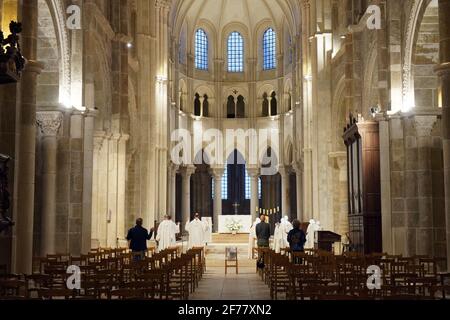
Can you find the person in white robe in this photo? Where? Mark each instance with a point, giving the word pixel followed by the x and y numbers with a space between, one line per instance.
pixel 310 233
pixel 196 229
pixel 252 238
pixel 286 226
pixel 277 238
pixel 166 234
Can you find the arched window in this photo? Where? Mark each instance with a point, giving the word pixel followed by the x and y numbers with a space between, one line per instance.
pixel 201 50
pixel 273 104
pixel 265 105
pixel 231 108
pixel 205 106
pixel 235 52
pixel 269 49
pixel 197 106
pixel 240 106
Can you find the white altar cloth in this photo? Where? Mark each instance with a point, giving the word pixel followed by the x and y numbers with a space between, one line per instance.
pixel 245 221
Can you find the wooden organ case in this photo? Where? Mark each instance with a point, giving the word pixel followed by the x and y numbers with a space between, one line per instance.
pixel 364 188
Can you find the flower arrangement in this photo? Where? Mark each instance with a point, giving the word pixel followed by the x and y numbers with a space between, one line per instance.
pixel 234 225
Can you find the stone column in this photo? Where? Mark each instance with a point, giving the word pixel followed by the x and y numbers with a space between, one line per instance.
pixel 217 174
pixel 285 205
pixel 97 189
pixel 254 200
pixel 187 172
pixel 121 177
pixel 112 186
pixel 424 126
pixel 24 216
pixel 444 75
pixel 88 171
pixel 298 168
pixel 172 192
pixel 49 123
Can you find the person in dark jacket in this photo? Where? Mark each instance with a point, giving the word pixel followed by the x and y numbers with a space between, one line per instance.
pixel 137 238
pixel 263 232
pixel 296 237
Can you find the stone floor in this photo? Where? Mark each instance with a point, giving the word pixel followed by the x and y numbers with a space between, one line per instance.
pixel 215 285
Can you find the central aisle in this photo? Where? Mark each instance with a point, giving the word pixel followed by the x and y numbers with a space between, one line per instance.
pixel 215 285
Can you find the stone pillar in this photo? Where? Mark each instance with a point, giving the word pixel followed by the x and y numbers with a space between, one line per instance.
pixel 217 174
pixel 298 168
pixel 187 172
pixel 172 192
pixel 254 200
pixel 97 189
pixel 341 194
pixel 24 216
pixel 285 205
pixel 112 186
pixel 49 123
pixel 121 177
pixel 424 126
pixel 88 171
pixel 444 75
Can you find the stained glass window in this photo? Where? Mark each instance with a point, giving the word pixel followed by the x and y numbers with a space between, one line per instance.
pixel 235 52
pixel 269 49
pixel 201 50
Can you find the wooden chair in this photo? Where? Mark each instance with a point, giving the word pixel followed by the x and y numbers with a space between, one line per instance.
pixel 176 285
pixel 35 282
pixel 12 287
pixel 56 294
pixel 231 259
pixel 127 294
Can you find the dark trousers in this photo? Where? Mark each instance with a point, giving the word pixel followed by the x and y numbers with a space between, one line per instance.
pixel 138 255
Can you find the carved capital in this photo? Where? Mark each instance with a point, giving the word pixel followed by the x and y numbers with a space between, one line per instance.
pixel 253 172
pixel 163 4
pixel 49 122
pixel 217 172
pixel 187 171
pixel 424 125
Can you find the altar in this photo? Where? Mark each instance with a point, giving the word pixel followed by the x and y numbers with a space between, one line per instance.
pixel 245 221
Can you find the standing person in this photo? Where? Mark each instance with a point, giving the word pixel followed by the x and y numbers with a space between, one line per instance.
pixel 137 239
pixel 285 226
pixel 263 232
pixel 196 229
pixel 278 241
pixel 263 236
pixel 297 239
pixel 165 234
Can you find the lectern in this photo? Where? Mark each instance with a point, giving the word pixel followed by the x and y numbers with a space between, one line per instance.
pixel 325 240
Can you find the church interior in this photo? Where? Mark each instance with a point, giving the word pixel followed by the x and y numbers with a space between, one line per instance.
pixel 331 117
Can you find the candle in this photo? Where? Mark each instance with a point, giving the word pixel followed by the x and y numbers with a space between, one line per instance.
pixel 256 209
pixel 278 209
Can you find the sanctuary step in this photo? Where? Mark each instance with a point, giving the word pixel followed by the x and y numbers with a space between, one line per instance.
pixel 229 238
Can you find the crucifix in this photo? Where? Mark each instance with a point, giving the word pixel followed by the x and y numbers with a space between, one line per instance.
pixel 236 207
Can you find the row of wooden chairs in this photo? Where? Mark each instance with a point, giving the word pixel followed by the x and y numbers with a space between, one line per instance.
pixel 111 274
pixel 322 275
